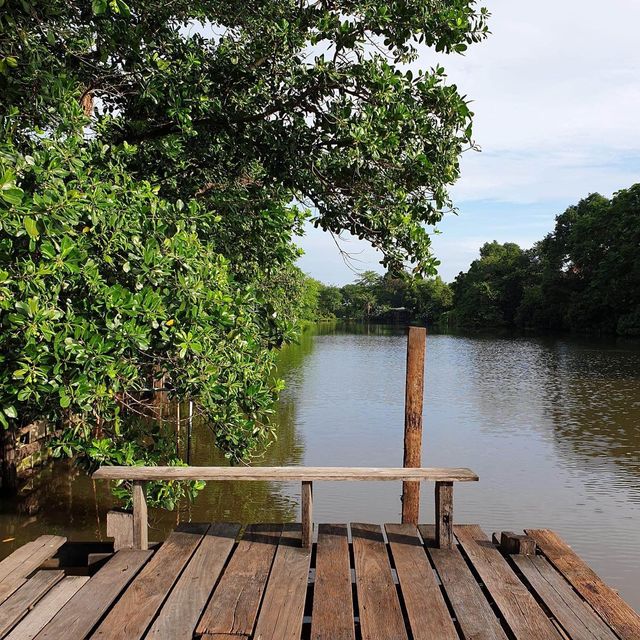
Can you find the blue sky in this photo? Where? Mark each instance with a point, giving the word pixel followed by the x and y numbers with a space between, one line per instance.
pixel 556 93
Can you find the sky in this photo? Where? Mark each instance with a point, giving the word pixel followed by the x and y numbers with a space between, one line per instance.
pixel 556 94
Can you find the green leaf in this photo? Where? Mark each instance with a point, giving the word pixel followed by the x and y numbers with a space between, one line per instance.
pixel 12 195
pixel 99 7
pixel 10 411
pixel 31 226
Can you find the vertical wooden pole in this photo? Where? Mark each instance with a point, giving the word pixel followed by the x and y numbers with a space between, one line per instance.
pixel 444 515
pixel 414 392
pixel 307 514
pixel 140 518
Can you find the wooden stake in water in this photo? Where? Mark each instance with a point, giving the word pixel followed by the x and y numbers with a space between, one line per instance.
pixel 414 392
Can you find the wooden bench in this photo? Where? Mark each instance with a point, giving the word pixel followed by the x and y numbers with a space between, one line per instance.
pixel 443 477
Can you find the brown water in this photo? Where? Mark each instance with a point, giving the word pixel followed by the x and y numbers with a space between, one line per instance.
pixel 552 426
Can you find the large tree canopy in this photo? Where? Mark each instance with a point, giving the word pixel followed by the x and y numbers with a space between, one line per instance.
pixel 157 161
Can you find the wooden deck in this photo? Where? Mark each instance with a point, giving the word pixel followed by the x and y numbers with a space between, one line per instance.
pixel 360 581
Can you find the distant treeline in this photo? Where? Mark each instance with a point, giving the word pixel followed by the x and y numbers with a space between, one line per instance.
pixel 582 277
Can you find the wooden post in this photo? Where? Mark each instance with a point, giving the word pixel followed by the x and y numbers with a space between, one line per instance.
pixel 140 518
pixel 514 543
pixel 307 514
pixel 444 515
pixel 414 392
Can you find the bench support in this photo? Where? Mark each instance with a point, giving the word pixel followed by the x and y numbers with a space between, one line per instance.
pixel 444 515
pixel 307 514
pixel 140 517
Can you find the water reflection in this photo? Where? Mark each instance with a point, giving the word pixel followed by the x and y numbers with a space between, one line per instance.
pixel 552 426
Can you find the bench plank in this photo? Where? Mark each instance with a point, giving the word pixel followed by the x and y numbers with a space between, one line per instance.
pixel 286 473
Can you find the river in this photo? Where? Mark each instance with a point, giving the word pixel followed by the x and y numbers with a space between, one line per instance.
pixel 551 425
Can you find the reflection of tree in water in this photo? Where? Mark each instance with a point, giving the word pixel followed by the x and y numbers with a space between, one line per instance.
pixel 593 400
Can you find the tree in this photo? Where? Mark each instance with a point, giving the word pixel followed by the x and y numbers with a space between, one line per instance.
pixel 157 162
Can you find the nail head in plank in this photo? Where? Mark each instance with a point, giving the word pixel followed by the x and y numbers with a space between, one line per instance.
pixel 576 617
pixel 427 611
pixel 46 608
pixel 180 613
pixel 81 613
pixel 473 611
pixel 282 607
pixel 522 613
pixel 233 607
pixel 309 474
pixel 23 600
pixel 613 609
pixel 379 608
pixel 130 617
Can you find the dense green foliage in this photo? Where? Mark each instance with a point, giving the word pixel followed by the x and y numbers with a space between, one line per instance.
pixel 392 297
pixel 583 277
pixel 157 160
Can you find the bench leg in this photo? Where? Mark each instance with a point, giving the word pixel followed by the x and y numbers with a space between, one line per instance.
pixel 140 518
pixel 307 514
pixel 444 515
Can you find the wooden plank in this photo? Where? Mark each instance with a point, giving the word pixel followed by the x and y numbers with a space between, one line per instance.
pixel 306 509
pixel 444 515
pixel 282 609
pixel 286 473
pixel 332 613
pixel 473 611
pixel 379 607
pixel 518 607
pixel 46 608
pixel 131 616
pixel 180 613
pixel 120 528
pixel 140 517
pixel 428 614
pixel 570 610
pixel 613 609
pixel 82 612
pixel 23 562
pixel 234 605
pixel 414 392
pixel 22 601
pixel 517 543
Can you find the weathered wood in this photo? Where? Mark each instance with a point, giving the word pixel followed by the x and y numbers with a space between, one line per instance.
pixel 516 604
pixel 299 474
pixel 24 561
pixel 23 600
pixel 332 614
pixel 444 515
pixel 517 543
pixel 379 607
pixel 282 608
pixel 120 528
pixel 426 609
pixel 140 517
pixel 130 617
pixel 306 509
pixel 613 609
pixel 77 618
pixel 576 617
pixel 473 611
pixel 180 613
pixel 414 392
pixel 234 604
pixel 46 608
